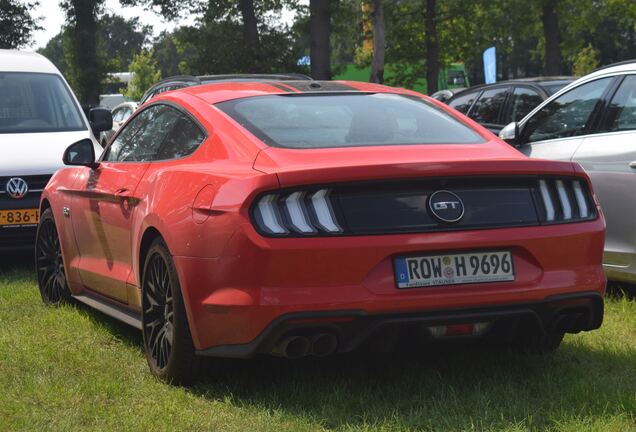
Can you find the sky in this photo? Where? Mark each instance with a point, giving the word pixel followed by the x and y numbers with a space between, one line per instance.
pixel 53 18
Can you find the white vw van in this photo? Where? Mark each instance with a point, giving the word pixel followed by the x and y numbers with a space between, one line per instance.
pixel 39 118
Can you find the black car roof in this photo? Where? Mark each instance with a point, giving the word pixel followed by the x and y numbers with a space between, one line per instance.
pixel 180 81
pixel 534 81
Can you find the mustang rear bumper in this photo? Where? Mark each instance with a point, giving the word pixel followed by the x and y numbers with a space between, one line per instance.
pixel 236 301
pixel 565 313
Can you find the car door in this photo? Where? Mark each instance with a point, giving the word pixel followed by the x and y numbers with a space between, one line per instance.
pixel 104 203
pixel 487 110
pixel 609 157
pixel 557 129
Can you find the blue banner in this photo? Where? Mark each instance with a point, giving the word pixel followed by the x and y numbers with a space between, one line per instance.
pixel 490 65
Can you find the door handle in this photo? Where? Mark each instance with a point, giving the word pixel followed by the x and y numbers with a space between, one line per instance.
pixel 122 193
pixel 632 164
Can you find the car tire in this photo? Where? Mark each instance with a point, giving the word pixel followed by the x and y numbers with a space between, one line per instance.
pixel 166 334
pixel 49 262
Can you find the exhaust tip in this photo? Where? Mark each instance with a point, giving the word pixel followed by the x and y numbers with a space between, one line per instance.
pixel 292 347
pixel 324 344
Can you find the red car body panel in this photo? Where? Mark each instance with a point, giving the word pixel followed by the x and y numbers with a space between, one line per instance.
pixel 236 282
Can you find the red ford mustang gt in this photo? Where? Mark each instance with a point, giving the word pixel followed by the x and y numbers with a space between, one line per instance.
pixel 305 218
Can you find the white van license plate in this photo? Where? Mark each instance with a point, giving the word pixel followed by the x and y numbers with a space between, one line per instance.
pixel 454 269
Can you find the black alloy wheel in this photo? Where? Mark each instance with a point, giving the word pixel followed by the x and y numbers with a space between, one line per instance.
pixel 167 340
pixel 49 262
pixel 158 306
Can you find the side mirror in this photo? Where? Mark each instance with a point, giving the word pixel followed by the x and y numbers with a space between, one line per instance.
pixel 81 153
pixel 100 119
pixel 510 134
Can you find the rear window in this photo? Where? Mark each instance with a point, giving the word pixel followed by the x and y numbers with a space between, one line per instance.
pixel 346 120
pixel 36 102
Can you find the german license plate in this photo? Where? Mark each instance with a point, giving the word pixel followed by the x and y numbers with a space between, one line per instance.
pixel 19 217
pixel 434 270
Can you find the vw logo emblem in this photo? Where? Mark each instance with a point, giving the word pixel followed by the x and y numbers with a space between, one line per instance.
pixel 446 206
pixel 17 188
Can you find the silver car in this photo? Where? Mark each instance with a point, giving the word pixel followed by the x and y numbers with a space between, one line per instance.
pixel 593 122
pixel 120 114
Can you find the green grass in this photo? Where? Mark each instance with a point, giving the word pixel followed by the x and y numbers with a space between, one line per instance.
pixel 71 368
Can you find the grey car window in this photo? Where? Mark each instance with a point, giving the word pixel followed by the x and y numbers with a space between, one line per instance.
pixel 117 114
pixel 567 115
pixel 486 109
pixel 463 103
pixel 524 100
pixel 621 113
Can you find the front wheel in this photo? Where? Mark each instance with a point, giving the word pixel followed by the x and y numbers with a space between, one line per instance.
pixel 49 263
pixel 167 339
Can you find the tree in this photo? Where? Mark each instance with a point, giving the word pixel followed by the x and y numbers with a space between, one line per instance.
pixel 319 39
pixel 432 47
pixel 119 39
pixel 377 64
pixel 586 61
pixel 250 34
pixel 84 72
pixel 16 23
pixel 552 36
pixel 54 51
pixel 145 74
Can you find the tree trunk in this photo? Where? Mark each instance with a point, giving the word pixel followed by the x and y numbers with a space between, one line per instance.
pixel 85 68
pixel 377 64
pixel 250 35
pixel 432 47
pixel 552 38
pixel 320 32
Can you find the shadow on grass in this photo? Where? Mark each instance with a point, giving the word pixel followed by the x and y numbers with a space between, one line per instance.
pixel 451 386
pixel 621 289
pixel 17 262
pixel 456 386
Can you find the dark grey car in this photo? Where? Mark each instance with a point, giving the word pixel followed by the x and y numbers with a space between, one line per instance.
pixel 496 105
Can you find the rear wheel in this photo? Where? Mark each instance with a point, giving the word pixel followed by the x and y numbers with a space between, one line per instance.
pixel 167 339
pixel 49 262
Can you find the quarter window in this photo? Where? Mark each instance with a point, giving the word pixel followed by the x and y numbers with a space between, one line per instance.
pixel 621 113
pixel 159 132
pixel 569 114
pixel 486 109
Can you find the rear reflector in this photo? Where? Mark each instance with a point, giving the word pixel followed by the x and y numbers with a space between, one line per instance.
pixel 472 329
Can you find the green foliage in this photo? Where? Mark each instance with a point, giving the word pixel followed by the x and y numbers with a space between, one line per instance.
pixel 54 51
pixel 145 74
pixel 215 45
pixel 119 39
pixel 16 23
pixel 586 61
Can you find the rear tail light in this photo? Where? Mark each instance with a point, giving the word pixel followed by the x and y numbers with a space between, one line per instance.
pixel 564 200
pixel 299 212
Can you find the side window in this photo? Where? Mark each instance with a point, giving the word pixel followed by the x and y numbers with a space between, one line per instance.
pixel 621 113
pixel 486 109
pixel 140 140
pixel 117 114
pixel 463 103
pixel 182 141
pixel 567 115
pixel 523 101
pixel 127 111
